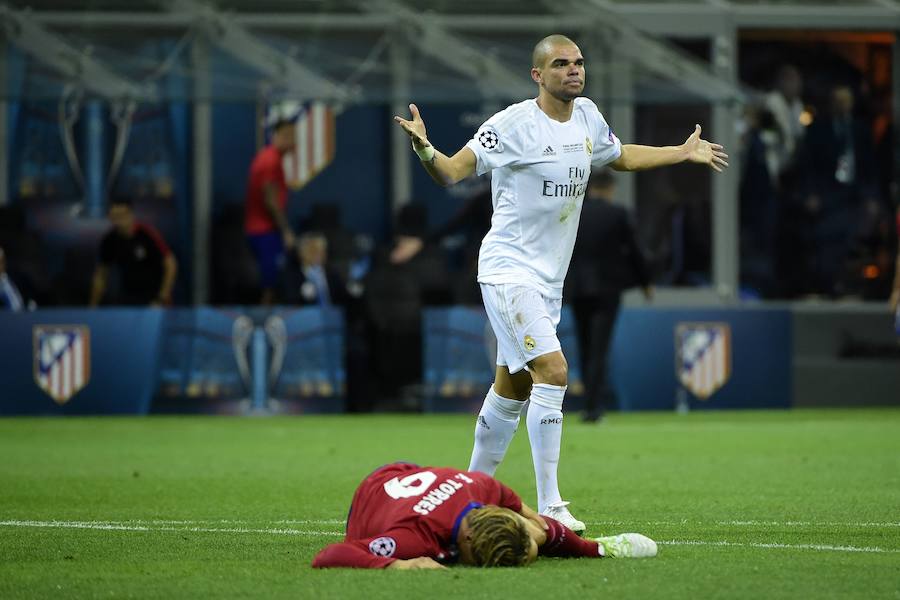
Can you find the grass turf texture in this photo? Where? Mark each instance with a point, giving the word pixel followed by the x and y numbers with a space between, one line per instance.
pixel 224 507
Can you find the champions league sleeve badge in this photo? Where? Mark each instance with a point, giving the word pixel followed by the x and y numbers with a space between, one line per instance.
pixel 383 546
pixel 489 140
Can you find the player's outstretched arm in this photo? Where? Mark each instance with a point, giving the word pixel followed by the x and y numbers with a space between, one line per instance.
pixel 445 170
pixel 694 149
pixel 410 564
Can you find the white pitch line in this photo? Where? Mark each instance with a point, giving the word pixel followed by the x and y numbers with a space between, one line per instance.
pixel 748 523
pixel 657 523
pixel 341 522
pixel 821 547
pixel 147 528
pixel 116 526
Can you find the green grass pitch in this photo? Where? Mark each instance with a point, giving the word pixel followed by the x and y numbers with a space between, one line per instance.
pixel 801 504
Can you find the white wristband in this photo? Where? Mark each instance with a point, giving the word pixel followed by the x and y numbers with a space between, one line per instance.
pixel 425 154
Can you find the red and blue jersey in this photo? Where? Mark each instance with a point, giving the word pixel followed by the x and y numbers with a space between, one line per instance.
pixel 404 511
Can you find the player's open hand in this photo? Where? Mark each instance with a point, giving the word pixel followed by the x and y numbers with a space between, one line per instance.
pixel 705 153
pixel 414 128
pixel 422 562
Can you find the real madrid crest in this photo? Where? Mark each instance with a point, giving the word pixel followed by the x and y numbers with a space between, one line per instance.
pixel 529 343
pixel 588 146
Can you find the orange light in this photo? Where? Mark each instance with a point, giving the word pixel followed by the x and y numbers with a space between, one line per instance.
pixel 871 272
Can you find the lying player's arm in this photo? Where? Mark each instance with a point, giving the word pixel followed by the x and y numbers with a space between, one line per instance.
pixel 382 551
pixel 445 170
pixel 350 554
pixel 537 526
pixel 423 562
pixel 696 150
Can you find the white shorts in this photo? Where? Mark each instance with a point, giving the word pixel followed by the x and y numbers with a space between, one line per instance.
pixel 524 322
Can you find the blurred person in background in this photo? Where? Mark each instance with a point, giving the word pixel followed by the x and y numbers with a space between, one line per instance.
pixel 895 292
pixel 144 264
pixel 785 105
pixel 470 224
pixel 265 221
pixel 840 183
pixel 10 296
pixel 308 279
pixel 759 205
pixel 607 260
pixel 404 516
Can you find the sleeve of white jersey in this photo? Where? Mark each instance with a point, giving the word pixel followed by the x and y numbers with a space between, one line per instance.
pixel 497 143
pixel 607 146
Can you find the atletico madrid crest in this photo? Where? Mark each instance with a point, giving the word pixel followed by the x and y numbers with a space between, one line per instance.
pixel 314 139
pixel 62 359
pixel 703 357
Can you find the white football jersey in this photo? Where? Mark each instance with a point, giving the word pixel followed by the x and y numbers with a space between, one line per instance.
pixel 540 173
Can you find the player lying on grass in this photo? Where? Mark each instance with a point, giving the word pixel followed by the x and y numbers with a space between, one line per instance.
pixel 404 516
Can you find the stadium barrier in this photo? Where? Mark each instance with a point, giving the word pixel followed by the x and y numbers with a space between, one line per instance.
pixel 127 361
pixel 459 358
pixel 132 361
pixel 660 358
pixel 63 362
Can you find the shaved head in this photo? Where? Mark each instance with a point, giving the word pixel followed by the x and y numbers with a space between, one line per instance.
pixel 544 48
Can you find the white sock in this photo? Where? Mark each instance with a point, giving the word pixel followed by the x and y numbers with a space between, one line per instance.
pixel 545 433
pixel 497 423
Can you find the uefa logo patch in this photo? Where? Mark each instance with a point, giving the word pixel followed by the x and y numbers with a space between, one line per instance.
pixel 703 357
pixel 383 546
pixel 62 359
pixel 489 139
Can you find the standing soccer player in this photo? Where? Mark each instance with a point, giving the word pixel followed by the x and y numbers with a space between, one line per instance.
pixel 540 151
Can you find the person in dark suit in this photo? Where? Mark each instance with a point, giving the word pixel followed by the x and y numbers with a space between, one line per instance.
pixel 606 261
pixel 308 280
pixel 840 178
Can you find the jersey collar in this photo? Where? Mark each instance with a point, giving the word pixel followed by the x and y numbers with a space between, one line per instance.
pixel 468 508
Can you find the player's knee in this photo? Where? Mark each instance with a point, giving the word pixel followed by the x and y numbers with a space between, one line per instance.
pixel 554 373
pixel 559 376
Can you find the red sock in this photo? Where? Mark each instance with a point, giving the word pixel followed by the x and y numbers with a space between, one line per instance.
pixel 565 543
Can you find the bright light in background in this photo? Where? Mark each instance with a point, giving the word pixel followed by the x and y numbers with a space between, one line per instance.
pixel 806 117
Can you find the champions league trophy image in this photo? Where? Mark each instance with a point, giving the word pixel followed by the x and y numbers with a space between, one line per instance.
pixel 259 369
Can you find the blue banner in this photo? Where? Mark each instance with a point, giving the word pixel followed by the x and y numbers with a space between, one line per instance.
pixel 113 361
pixel 207 360
pixel 459 358
pixel 62 362
pixel 313 374
pixel 702 358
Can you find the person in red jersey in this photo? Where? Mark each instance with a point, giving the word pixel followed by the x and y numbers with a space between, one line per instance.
pixel 265 217
pixel 404 516
pixel 145 265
